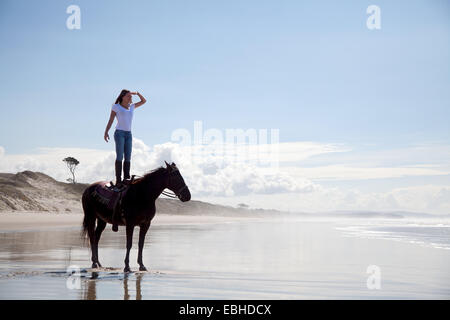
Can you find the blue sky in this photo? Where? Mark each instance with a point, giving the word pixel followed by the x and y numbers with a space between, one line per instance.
pixel 311 69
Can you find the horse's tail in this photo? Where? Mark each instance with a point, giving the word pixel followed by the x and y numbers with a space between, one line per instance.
pixel 89 216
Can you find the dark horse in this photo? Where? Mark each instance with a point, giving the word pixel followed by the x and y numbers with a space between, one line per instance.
pixel 138 205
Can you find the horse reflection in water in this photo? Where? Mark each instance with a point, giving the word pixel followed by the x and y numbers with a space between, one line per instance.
pixel 90 288
pixel 138 205
pixel 126 296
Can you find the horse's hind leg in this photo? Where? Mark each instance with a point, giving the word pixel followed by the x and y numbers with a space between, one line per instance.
pixel 93 243
pixel 89 224
pixel 98 233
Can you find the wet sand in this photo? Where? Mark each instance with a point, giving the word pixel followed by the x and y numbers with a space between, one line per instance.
pixel 26 221
pixel 238 259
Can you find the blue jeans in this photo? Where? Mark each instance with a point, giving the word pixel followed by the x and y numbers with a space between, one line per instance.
pixel 123 141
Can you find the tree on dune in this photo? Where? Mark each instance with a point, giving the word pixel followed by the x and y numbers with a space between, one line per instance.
pixel 72 165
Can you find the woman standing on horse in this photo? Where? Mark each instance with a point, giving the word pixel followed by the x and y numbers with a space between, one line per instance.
pixel 123 110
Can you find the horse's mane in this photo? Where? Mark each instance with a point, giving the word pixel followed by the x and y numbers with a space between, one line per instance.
pixel 149 174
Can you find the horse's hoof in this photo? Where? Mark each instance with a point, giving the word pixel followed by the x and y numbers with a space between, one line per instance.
pixel 126 270
pixel 95 265
pixel 142 268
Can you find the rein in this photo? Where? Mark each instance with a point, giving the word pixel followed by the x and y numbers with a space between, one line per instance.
pixel 173 195
pixel 167 194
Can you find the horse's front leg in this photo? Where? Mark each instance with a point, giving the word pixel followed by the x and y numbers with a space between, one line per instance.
pixel 130 229
pixel 142 233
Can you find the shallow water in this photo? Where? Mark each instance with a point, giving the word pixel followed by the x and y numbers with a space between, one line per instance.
pixel 290 259
pixel 424 232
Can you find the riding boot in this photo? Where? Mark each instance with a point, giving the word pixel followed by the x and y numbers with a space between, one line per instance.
pixel 118 172
pixel 115 227
pixel 126 170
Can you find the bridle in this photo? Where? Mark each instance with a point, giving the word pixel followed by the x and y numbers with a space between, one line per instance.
pixel 176 194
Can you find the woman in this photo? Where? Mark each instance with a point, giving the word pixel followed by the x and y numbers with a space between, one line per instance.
pixel 123 110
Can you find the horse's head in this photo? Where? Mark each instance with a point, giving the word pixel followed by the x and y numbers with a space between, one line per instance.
pixel 176 183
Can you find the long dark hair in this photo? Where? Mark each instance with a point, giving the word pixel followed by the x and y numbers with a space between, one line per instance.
pixel 121 95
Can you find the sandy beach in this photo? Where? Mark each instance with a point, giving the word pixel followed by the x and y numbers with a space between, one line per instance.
pixel 26 221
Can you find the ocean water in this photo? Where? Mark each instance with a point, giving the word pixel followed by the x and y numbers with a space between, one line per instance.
pixel 424 232
pixel 266 259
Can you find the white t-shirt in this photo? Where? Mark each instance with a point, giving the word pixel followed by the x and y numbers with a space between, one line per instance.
pixel 124 116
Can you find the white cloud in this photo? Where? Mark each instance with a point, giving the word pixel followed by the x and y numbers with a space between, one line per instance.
pixel 260 154
pixel 238 176
pixel 203 176
pixel 299 151
pixel 239 179
pixel 433 154
pixel 342 172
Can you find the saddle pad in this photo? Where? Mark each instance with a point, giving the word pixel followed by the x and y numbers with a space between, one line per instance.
pixel 105 195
